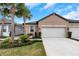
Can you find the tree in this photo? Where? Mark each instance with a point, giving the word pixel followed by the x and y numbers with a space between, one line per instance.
pixel 25 13
pixel 17 9
pixel 12 7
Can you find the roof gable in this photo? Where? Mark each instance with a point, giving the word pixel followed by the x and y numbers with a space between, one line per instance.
pixel 69 20
pixel 55 15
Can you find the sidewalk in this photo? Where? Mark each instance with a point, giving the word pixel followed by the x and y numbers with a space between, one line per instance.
pixel 18 37
pixel 5 38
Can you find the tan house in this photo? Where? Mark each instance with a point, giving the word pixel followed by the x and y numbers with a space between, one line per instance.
pixel 31 28
pixel 54 23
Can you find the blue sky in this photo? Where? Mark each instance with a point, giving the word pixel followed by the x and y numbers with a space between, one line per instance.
pixel 40 10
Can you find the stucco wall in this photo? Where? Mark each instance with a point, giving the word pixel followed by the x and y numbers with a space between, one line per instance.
pixel 18 30
pixel 53 20
pixel 28 28
pixel 74 25
pixel 7 27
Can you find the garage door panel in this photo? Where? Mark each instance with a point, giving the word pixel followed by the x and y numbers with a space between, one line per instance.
pixel 53 32
pixel 75 32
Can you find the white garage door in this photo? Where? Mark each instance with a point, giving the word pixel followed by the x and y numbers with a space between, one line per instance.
pixel 51 32
pixel 75 32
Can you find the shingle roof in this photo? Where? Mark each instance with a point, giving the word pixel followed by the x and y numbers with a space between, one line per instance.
pixel 54 14
pixel 19 25
pixel 69 20
pixel 34 22
pixel 73 21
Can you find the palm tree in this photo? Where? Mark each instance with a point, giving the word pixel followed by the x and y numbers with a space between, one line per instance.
pixel 25 13
pixel 17 9
pixel 12 7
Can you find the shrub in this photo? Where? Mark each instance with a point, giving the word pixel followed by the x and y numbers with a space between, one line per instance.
pixel 23 38
pixel 4 37
pixel 5 43
pixel 8 43
pixel 6 40
pixel 30 34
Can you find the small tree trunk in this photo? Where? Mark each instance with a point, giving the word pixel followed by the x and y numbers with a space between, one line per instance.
pixel 24 25
pixel 12 29
pixel 12 21
pixel 2 28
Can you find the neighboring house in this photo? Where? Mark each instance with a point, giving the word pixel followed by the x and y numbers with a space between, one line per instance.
pixel 31 28
pixel 19 29
pixel 74 28
pixel 7 28
pixel 54 25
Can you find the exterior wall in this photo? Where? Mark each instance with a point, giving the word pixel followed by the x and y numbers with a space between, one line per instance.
pixel 74 25
pixel 28 29
pixel 7 30
pixel 53 20
pixel 18 30
pixel 7 27
pixel 74 28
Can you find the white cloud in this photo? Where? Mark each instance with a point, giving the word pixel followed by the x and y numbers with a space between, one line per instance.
pixel 69 7
pixel 48 5
pixel 31 5
pixel 72 15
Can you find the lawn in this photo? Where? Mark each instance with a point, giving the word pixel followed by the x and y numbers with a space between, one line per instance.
pixel 35 49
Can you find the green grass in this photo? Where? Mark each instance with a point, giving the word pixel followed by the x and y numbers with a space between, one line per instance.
pixel 35 49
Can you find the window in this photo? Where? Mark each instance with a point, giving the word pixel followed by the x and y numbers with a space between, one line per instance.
pixel 31 28
pixel 4 30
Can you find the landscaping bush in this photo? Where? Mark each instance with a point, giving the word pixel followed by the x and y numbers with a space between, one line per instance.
pixel 23 38
pixel 8 43
pixel 5 43
pixel 21 41
pixel 4 37
pixel 30 34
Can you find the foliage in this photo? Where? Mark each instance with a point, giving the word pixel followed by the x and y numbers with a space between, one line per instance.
pixel 5 43
pixel 35 49
pixel 23 38
pixel 6 40
pixel 9 43
pixel 14 9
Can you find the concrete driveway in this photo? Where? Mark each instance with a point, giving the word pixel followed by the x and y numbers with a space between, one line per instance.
pixel 61 47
